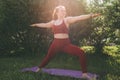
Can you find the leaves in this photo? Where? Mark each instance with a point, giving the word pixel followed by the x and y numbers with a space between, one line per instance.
pixel 16 16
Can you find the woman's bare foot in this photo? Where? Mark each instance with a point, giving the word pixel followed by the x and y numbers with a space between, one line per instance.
pixel 86 76
pixel 37 70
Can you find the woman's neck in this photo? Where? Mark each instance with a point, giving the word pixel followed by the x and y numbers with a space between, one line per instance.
pixel 60 18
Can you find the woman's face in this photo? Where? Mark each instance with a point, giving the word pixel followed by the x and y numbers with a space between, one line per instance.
pixel 61 12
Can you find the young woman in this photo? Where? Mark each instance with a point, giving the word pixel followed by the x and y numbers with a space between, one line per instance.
pixel 60 27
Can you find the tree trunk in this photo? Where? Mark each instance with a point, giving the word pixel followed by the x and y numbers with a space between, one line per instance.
pixel 99 48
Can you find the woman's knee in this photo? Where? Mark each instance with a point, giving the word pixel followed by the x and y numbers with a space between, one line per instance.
pixel 81 53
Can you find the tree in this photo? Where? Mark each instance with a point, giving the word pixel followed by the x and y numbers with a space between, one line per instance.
pixel 112 17
pixel 102 33
pixel 19 37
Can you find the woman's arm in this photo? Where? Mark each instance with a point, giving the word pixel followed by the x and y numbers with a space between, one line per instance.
pixel 81 17
pixel 43 25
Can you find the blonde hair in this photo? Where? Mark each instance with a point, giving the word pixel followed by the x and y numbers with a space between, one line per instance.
pixel 54 15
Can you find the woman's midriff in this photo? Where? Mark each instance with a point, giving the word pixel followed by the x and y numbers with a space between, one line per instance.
pixel 61 36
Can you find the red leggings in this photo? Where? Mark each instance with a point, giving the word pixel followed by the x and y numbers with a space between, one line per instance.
pixel 64 45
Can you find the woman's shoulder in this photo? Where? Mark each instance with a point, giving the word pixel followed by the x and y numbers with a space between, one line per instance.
pixel 51 22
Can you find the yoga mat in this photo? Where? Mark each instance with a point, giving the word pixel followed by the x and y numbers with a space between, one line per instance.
pixel 59 72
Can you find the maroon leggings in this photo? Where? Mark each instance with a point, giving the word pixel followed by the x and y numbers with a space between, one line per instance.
pixel 64 45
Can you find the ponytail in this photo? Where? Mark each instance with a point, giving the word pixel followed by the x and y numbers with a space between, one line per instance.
pixel 54 15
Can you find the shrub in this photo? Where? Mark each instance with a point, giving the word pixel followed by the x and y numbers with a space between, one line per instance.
pixel 111 50
pixel 88 49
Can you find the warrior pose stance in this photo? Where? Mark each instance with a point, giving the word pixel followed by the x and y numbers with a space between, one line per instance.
pixel 60 26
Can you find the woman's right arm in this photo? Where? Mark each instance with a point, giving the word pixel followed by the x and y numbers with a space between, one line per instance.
pixel 43 25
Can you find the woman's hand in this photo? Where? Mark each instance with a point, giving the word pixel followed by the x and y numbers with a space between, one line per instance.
pixel 95 15
pixel 33 25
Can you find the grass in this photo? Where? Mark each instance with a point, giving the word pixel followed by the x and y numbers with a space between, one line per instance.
pixel 108 67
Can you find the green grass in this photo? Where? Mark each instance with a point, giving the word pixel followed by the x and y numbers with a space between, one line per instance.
pixel 108 67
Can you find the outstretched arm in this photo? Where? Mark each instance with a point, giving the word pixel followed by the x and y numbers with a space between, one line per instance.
pixel 81 17
pixel 43 25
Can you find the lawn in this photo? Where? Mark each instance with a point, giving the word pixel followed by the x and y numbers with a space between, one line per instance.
pixel 108 67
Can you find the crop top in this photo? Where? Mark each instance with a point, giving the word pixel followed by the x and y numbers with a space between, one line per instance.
pixel 62 28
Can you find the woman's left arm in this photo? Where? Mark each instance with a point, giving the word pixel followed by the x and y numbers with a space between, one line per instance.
pixel 81 17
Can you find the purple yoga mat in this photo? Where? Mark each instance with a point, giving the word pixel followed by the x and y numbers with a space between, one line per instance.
pixel 59 72
pixel 32 69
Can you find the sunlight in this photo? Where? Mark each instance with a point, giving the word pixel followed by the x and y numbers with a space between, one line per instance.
pixel 90 1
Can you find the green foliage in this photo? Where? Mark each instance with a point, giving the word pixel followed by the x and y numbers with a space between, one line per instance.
pixel 102 34
pixel 112 14
pixel 88 49
pixel 112 50
pixel 109 50
pixel 18 38
pixel 1 12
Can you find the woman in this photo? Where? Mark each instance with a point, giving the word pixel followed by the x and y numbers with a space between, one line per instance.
pixel 60 26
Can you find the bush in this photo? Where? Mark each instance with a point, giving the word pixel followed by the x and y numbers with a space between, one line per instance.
pixel 111 50
pixel 88 49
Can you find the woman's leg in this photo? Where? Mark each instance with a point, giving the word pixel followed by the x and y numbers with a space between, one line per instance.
pixel 74 50
pixel 51 52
